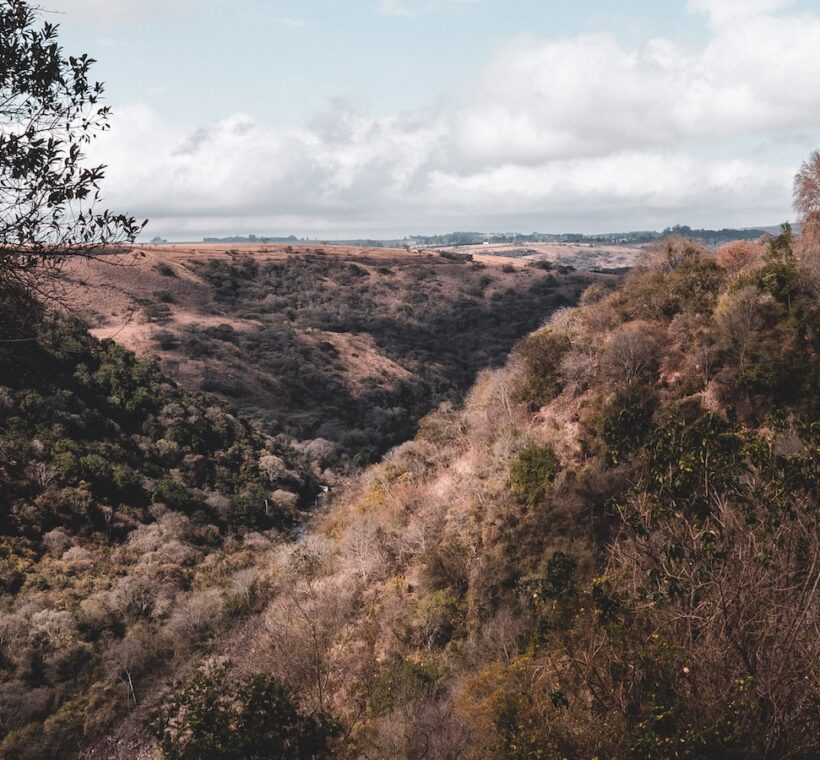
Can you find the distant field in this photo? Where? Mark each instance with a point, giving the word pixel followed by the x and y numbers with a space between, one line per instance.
pixel 348 345
pixel 578 255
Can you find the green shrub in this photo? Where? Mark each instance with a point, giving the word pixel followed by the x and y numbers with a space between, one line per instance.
pixel 532 472
pixel 626 422
pixel 255 718
pixel 436 617
pixel 175 495
pixel 398 683
pixel 541 354
pixel 689 462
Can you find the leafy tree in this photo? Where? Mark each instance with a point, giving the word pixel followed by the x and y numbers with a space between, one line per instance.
pixel 49 111
pixel 253 719
pixel 532 472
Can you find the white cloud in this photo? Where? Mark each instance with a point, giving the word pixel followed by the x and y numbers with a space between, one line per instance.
pixel 586 96
pixel 583 132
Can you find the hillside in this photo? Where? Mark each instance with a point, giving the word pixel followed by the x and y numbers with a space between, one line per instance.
pixel 130 512
pixel 346 347
pixel 611 549
pixel 613 530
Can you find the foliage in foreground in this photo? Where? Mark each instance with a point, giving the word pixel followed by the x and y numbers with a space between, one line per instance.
pixel 252 719
pixel 49 111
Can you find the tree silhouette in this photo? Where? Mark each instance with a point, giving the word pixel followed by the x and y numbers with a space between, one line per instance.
pixel 49 111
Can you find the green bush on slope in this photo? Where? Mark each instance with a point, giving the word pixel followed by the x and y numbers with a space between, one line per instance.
pixel 254 718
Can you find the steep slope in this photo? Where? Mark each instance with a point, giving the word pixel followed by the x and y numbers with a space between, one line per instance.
pixel 130 514
pixel 612 550
pixel 609 549
pixel 347 347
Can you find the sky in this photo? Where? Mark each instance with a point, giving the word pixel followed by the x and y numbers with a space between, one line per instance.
pixel 386 118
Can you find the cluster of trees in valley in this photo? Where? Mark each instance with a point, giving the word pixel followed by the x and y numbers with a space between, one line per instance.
pixel 433 323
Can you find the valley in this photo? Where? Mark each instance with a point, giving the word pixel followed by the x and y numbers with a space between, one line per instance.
pixel 343 349
pixel 430 493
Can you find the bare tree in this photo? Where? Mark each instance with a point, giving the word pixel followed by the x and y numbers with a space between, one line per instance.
pixel 807 188
pixel 807 205
pixel 630 354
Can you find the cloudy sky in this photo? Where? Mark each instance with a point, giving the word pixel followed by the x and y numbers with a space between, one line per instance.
pixel 380 118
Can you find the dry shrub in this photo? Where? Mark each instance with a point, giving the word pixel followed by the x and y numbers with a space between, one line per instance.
pixel 593 294
pixel 56 541
pixel 489 411
pixel 676 275
pixel 670 253
pixel 272 468
pixel 579 367
pixel 198 616
pixel 364 552
pixel 13 633
pixel 93 614
pixel 78 559
pixel 21 704
pixel 746 631
pixel 426 727
pixel 126 660
pixel 631 355
pixel 496 639
pixel 148 591
pixel 807 251
pixel 740 256
pixel 309 630
pixel 284 501
pixel 601 317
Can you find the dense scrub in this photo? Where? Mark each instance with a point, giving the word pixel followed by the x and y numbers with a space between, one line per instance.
pixel 612 550
pixel 131 517
pixel 352 349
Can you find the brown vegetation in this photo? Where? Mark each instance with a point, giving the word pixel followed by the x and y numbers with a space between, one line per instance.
pixel 578 567
pixel 351 346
